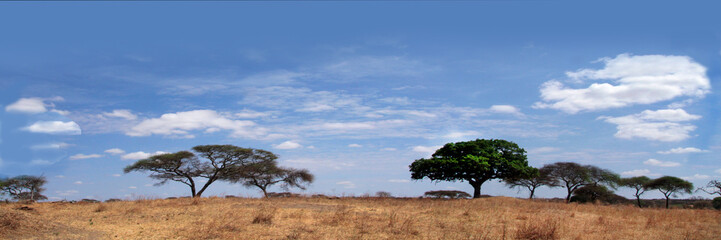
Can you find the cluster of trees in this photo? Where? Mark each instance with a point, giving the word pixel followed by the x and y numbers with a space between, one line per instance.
pixel 206 164
pixel 480 160
pixel 24 187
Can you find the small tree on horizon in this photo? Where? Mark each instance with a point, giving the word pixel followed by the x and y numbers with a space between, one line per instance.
pixel 569 175
pixel 638 184
pixel 670 186
pixel 538 178
pixel 267 173
pixel 474 161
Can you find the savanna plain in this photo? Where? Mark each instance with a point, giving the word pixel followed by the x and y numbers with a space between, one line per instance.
pixel 351 218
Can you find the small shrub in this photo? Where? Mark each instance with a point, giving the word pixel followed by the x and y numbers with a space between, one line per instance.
pixel 716 203
pixel 382 194
pixel 101 208
pixel 546 229
pixel 447 194
pixel 264 216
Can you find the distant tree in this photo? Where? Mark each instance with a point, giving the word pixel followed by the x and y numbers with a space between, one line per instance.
pixel 452 194
pixel 670 186
pixel 215 163
pixel 383 194
pixel 716 203
pixel 474 161
pixel 536 179
pixel 24 187
pixel 638 184
pixel 599 176
pixel 593 193
pixel 714 187
pixel 569 175
pixel 266 173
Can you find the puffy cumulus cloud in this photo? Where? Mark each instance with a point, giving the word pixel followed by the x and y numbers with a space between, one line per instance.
pixel 34 105
pixel 660 125
pixel 54 127
pixel 346 184
pixel 115 151
pixel 635 80
pixel 84 156
pixel 121 113
pixel 288 145
pixel 681 150
pixel 639 172
pixel 654 162
pixel 140 155
pixel 179 124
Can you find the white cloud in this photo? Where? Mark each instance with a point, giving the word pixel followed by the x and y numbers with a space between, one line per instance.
pixel 355 145
pixel 639 172
pixel 121 113
pixel 659 125
pixel 718 170
pixel 41 162
pixel 459 135
pixel 245 113
pixel 133 187
pixel 316 164
pixel 639 80
pixel 78 182
pixel 506 109
pixel 58 145
pixel 115 151
pixel 54 127
pixel 681 150
pixel 540 150
pixel 83 156
pixel 389 149
pixel 428 150
pixel 346 184
pixel 697 177
pixel 288 145
pixel 117 175
pixel 140 155
pixel 27 105
pixel 654 162
pixel 399 180
pixel 179 124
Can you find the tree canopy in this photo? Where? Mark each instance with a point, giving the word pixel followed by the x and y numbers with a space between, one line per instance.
pixel 638 184
pixel 474 161
pixel 24 187
pixel 714 187
pixel 536 179
pixel 266 173
pixel 670 186
pixel 209 162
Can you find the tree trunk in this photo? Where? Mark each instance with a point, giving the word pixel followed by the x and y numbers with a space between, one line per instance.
pixel 476 190
pixel 568 197
pixel 638 200
pixel 192 191
pixel 666 202
pixel 265 192
pixel 532 190
pixel 210 180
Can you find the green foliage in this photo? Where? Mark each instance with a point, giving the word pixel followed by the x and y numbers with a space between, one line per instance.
pixel 716 203
pixel 473 161
pixel 638 184
pixel 452 194
pixel 536 179
pixel 24 187
pixel 573 176
pixel 265 173
pixel 670 186
pixel 593 193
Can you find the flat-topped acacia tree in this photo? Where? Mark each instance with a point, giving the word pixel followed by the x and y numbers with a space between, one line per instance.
pixel 475 162
pixel 209 163
pixel 670 186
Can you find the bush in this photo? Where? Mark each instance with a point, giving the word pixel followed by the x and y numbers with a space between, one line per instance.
pixel 447 194
pixel 593 193
pixel 716 203
pixel 383 194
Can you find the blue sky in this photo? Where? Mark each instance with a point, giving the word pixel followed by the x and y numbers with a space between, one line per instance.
pixel 355 91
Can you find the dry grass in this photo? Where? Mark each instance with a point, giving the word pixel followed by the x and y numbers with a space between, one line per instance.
pixel 348 218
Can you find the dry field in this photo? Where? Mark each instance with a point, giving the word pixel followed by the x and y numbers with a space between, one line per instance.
pixel 351 218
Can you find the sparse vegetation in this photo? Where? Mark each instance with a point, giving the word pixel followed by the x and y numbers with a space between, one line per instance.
pixel 452 194
pixel 352 218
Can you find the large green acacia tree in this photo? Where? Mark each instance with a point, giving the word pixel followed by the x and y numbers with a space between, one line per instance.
pixel 475 162
pixel 202 167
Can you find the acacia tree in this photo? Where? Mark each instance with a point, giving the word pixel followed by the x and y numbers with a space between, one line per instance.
pixel 538 178
pixel 714 186
pixel 598 176
pixel 267 173
pixel 670 186
pixel 209 162
pixel 568 174
pixel 474 161
pixel 637 183
pixel 24 187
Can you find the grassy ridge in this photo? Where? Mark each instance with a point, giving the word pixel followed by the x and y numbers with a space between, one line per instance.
pixel 352 218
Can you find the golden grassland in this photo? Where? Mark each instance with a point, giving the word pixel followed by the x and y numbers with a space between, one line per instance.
pixel 352 218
